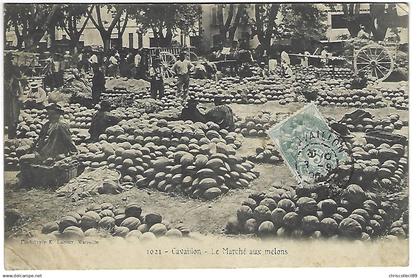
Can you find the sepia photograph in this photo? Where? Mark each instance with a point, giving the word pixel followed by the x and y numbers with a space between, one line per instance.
pixel 205 135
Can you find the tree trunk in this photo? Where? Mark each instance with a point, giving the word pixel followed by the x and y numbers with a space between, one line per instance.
pixel 106 39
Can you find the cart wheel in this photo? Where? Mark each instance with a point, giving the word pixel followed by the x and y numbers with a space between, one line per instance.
pixel 167 60
pixel 375 60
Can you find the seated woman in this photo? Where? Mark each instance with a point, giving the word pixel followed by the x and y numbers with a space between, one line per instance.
pixel 54 139
pixel 102 120
pixel 221 114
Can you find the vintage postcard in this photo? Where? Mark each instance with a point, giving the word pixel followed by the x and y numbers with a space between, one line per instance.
pixel 205 135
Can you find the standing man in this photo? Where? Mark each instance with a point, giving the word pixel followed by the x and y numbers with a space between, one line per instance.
pixel 93 60
pixel 182 69
pixel 324 56
pixel 156 78
pixel 12 92
pixel 137 64
pixel 98 84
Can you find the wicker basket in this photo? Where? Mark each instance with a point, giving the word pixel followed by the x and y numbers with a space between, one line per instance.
pixel 35 175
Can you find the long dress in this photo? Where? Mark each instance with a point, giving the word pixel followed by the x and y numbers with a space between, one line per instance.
pixel 55 139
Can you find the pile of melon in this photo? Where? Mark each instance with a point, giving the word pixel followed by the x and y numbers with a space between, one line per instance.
pixel 231 89
pixel 30 123
pixel 389 123
pixel 334 73
pixel 319 211
pixel 194 159
pixel 257 125
pixel 397 96
pixel 382 167
pixel 78 116
pixel 13 150
pixel 365 98
pixel 106 221
pixel 266 154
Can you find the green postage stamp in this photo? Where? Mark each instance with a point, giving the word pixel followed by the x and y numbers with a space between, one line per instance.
pixel 308 145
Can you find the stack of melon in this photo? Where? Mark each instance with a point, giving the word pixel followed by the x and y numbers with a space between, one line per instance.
pixel 231 89
pixel 382 167
pixel 13 150
pixel 31 122
pixel 389 123
pixel 365 98
pixel 195 159
pixel 276 88
pixel 397 96
pixel 78 116
pixel 105 220
pixel 317 211
pixel 266 154
pixel 258 125
pixel 334 73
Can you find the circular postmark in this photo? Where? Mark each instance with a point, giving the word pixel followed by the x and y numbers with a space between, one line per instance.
pixel 322 157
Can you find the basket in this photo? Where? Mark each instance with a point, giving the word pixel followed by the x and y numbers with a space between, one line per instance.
pixel 35 175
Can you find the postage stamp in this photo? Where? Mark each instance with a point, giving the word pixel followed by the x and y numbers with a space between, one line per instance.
pixel 309 147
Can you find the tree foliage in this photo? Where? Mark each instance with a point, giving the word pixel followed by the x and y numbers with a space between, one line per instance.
pixel 71 16
pixel 30 21
pixel 164 20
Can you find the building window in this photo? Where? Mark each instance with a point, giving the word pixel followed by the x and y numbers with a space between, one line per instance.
pixel 130 40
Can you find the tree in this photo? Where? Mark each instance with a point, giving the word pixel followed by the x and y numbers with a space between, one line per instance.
pixel 235 14
pixel 71 17
pixel 30 21
pixel 98 22
pixel 302 21
pixel 165 20
pixel 263 24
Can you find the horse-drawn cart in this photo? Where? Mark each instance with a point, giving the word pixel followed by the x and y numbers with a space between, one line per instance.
pixel 168 57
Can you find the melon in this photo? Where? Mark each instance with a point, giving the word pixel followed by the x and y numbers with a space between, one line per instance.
pixel 158 229
pixel 268 202
pixel 232 226
pixel 244 213
pixel 106 212
pixel 277 216
pixel 328 226
pixel 262 213
pixel 153 218
pixel 328 206
pixel 49 227
pixel 310 223
pixel 72 232
pixel 173 233
pixel 212 193
pixel 266 228
pixel 250 203
pixel 350 228
pixel 131 223
pixel 107 223
pixel 134 234
pixel 291 220
pixel 133 209
pixel 287 205
pixel 307 205
pixel 65 222
pixel 121 231
pixel 250 226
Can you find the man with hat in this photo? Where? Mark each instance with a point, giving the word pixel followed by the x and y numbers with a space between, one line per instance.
pixel 182 69
pixel 98 84
pixel 156 78
pixel 36 97
pixel 55 136
pixel 221 114
pixel 102 120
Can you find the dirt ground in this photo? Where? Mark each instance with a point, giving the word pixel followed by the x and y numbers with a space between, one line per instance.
pixel 39 206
